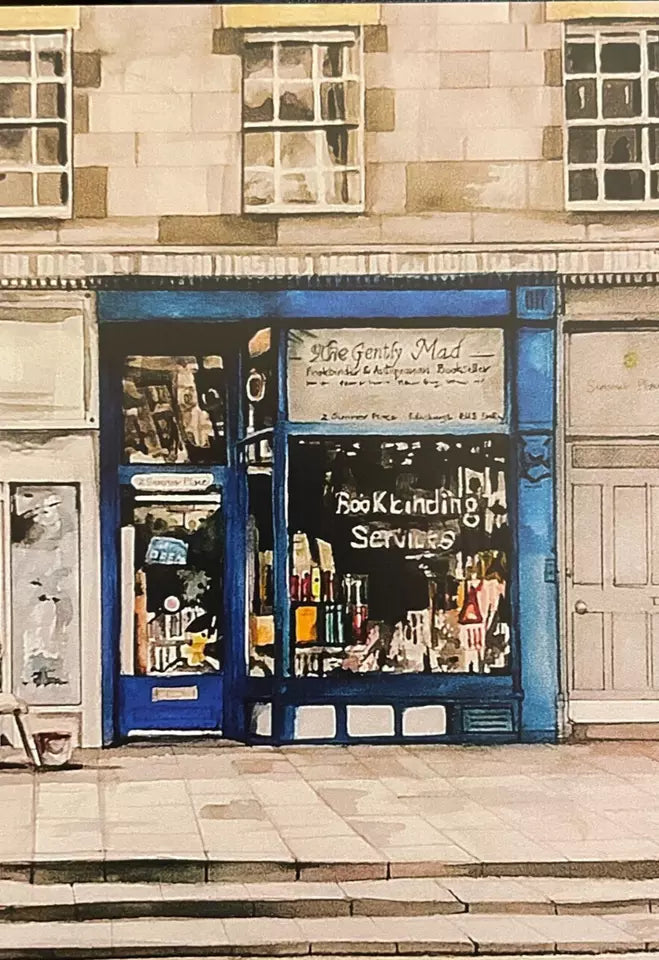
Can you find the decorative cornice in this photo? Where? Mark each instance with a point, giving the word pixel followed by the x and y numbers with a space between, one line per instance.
pixel 98 268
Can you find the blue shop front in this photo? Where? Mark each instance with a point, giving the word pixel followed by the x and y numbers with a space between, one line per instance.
pixel 328 509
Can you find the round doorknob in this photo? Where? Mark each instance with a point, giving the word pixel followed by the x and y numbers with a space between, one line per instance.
pixel 580 607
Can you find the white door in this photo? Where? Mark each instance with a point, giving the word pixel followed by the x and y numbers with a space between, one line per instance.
pixel 612 581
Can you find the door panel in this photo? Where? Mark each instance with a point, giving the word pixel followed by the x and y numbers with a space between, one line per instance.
pixel 630 531
pixel 588 651
pixel 587 540
pixel 630 651
pixel 612 593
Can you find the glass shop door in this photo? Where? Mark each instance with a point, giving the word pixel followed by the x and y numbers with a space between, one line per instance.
pixel 172 512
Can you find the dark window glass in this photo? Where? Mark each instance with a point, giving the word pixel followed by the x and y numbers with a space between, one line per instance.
pixel 173 410
pixel 260 573
pixel 624 185
pixel 583 185
pixel 621 98
pixel 176 553
pixel 580 58
pixel 622 145
pixel 582 145
pixel 399 553
pixel 653 97
pixel 620 57
pixel 581 99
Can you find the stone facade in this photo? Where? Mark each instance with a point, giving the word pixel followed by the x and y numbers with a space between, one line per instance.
pixel 463 133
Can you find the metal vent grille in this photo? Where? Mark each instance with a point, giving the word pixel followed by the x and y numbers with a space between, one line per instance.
pixel 536 299
pixel 487 720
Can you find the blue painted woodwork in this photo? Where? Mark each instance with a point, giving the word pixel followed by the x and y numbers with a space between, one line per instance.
pixel 138 711
pixel 236 306
pixel 530 692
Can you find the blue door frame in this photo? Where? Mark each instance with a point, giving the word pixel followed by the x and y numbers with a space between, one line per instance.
pixel 525 307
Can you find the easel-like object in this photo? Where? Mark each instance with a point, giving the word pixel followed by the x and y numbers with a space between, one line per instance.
pixel 11 705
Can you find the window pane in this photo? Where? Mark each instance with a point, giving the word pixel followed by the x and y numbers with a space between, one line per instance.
pixel 178 559
pixel 51 145
pixel 45 593
pixel 50 189
pixel 331 59
pixel 260 578
pixel 582 145
pixel 14 100
pixel 653 52
pixel 257 60
pixel 342 187
pixel 583 185
pixel 653 97
pixel 620 57
pixel 654 144
pixel 580 58
pixel 295 61
pixel 50 57
pixel 16 190
pixel 622 145
pixel 259 188
pixel 296 102
pixel 581 99
pixel 624 184
pixel 50 100
pixel 257 103
pixel 14 146
pixel 399 554
pixel 339 101
pixel 259 150
pixel 298 149
pixel 340 147
pixel 621 98
pixel 173 410
pixel 299 188
pixel 15 57
pixel 261 381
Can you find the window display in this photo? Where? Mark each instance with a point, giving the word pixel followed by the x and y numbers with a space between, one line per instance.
pixel 260 574
pixel 45 592
pixel 173 410
pixel 178 556
pixel 399 555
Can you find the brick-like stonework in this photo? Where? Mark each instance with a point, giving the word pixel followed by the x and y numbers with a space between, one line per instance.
pixel 463 133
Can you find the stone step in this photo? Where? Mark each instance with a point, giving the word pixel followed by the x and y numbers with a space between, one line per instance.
pixel 450 935
pixel 24 902
pixel 99 867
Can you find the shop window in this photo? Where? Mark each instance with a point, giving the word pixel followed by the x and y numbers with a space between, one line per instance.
pixel 35 122
pixel 172 581
pixel 612 117
pixel 399 556
pixel 260 574
pixel 260 395
pixel 174 410
pixel 45 593
pixel 303 122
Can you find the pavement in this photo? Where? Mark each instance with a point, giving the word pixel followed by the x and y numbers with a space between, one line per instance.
pixel 209 812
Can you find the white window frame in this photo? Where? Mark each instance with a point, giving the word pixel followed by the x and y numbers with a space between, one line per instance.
pixel 316 39
pixel 32 123
pixel 599 33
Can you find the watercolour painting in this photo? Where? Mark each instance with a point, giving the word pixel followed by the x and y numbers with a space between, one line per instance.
pixel 329 478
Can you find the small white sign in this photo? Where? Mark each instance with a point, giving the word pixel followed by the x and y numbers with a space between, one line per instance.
pixel 446 376
pixel 172 482
pixel 174 693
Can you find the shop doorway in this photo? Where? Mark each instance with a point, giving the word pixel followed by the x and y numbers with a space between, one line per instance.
pixel 167 495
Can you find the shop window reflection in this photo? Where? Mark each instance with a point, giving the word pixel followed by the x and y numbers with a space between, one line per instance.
pixel 260 573
pixel 174 410
pixel 399 556
pixel 174 555
pixel 261 394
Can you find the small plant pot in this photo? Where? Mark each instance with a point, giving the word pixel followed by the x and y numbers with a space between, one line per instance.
pixel 55 747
